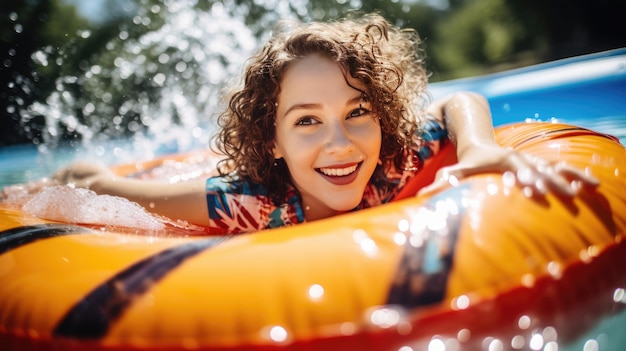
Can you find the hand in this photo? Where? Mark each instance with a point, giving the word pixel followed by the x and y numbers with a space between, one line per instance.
pixel 80 174
pixel 535 175
pixel 83 174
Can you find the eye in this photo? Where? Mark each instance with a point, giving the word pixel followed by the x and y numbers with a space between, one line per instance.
pixel 306 121
pixel 358 112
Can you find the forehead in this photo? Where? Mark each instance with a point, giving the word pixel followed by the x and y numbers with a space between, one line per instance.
pixel 316 72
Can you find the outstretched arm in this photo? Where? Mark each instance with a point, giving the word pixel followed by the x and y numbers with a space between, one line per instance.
pixel 178 201
pixel 467 117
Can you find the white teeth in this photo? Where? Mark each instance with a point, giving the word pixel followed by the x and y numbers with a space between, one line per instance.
pixel 338 172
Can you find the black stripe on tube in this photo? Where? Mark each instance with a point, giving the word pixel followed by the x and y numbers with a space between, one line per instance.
pixel 422 274
pixel 92 317
pixel 13 238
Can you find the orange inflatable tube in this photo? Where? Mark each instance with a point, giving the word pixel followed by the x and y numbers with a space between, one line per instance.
pixel 472 265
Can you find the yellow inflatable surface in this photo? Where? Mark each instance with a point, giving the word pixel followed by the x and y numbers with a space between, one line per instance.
pixel 476 263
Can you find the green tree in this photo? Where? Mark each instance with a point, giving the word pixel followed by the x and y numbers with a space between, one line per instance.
pixel 480 36
pixel 476 37
pixel 563 28
pixel 27 30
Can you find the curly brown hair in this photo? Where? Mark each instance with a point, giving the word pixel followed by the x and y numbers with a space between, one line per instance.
pixel 386 59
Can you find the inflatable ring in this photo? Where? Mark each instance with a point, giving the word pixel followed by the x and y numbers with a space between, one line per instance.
pixel 473 264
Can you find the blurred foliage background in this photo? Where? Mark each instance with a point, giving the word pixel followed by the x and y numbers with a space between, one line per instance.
pixel 53 54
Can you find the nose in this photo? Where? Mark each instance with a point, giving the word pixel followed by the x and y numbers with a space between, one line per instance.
pixel 338 140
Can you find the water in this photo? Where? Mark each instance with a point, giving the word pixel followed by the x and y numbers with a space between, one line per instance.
pixel 589 91
pixel 159 80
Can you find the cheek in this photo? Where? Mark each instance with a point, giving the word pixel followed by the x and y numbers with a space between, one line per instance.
pixel 297 149
pixel 376 145
pixel 372 139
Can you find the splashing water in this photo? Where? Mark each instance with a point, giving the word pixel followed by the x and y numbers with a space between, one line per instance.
pixel 66 204
pixel 160 79
pixel 153 89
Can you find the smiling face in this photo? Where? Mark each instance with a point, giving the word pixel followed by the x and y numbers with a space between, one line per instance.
pixel 327 135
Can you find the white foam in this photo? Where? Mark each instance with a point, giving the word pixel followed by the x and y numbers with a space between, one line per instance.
pixel 73 205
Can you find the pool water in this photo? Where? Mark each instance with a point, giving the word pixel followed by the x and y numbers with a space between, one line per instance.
pixel 24 163
pixel 589 91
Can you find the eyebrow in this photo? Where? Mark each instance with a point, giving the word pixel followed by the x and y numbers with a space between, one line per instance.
pixel 306 106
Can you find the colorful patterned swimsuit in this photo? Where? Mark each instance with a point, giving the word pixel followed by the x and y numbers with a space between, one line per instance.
pixel 244 206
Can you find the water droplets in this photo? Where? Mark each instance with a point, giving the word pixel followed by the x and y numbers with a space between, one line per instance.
pixel 399 238
pixel 436 344
pixel 89 108
pixel 159 79
pixel 181 66
pixel 524 322
pixel 366 243
pixel 316 292
pixel 276 333
pixel 591 345
pixel 495 345
pixel 123 35
pixel 460 302
pixel 84 34
pixel 518 342
pixel 619 295
pixel 40 57
pixel 385 317
pixel 164 58
pixel 554 269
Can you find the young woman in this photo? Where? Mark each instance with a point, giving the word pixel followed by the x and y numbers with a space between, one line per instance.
pixel 330 118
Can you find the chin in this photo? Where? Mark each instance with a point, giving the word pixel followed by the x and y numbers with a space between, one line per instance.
pixel 346 206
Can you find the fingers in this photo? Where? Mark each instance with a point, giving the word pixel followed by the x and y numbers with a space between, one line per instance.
pixel 534 176
pixel 543 180
pixel 446 176
pixel 66 175
pixel 576 174
pixel 60 176
pixel 82 174
pixel 560 178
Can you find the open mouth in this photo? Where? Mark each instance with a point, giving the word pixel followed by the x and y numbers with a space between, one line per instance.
pixel 339 172
pixel 340 175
